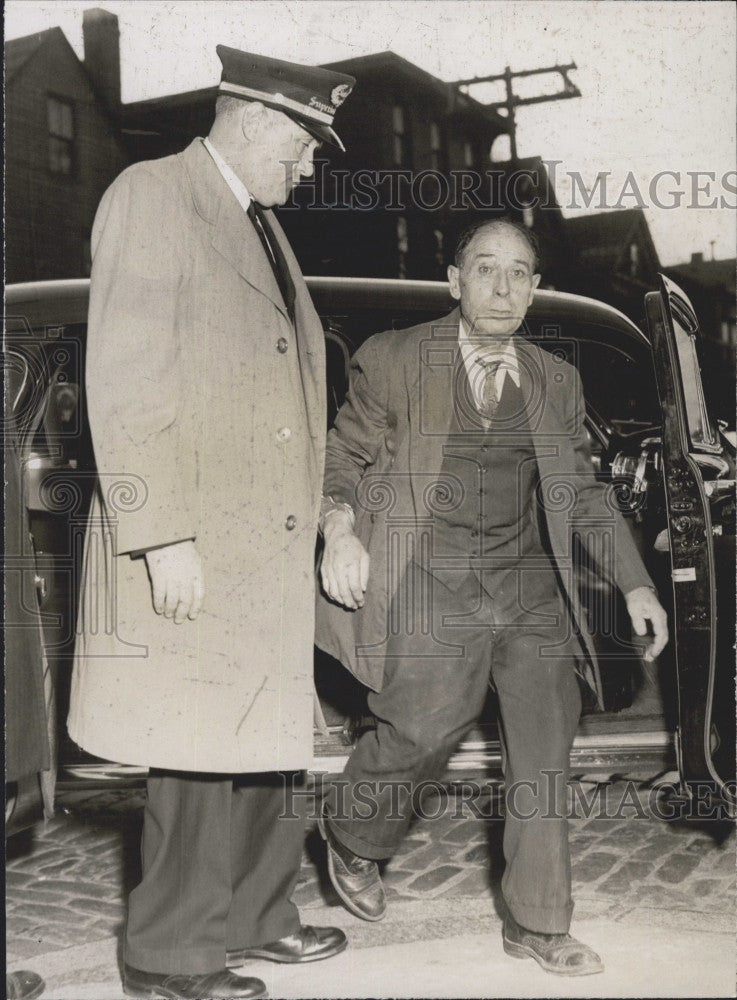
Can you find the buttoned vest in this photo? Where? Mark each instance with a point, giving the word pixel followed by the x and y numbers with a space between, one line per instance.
pixel 491 471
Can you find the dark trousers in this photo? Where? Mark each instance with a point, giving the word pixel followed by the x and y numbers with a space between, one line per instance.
pixel 431 696
pixel 219 869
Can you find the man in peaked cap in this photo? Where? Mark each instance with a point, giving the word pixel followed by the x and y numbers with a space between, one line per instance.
pixel 206 400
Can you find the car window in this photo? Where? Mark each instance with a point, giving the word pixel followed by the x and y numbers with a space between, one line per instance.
pixel 621 387
pixel 357 326
pixel 618 383
pixel 700 428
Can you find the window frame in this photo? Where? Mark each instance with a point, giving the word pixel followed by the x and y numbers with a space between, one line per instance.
pixel 69 141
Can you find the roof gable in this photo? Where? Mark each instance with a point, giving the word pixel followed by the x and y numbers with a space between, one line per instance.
pixel 21 52
pixel 714 273
pixel 18 51
pixel 388 64
pixel 603 239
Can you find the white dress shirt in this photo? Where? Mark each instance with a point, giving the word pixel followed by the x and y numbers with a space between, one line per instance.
pixel 475 357
pixel 236 185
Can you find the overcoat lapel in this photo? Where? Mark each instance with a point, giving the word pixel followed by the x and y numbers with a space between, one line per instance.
pixel 233 234
pixel 236 240
pixel 310 337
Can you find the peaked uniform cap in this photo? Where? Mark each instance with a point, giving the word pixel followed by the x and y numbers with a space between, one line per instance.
pixel 309 95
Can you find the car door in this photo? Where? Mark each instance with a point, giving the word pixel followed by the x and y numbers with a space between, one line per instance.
pixel 699 484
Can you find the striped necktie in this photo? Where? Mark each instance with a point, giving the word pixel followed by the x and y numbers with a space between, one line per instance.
pixel 489 397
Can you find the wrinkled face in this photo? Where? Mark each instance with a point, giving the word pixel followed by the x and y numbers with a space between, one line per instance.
pixel 284 154
pixel 495 283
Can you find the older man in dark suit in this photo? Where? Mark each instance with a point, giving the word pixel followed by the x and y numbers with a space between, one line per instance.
pixel 448 566
pixel 206 397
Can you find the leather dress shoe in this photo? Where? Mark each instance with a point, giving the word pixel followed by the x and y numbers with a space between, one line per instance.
pixel 356 880
pixel 222 985
pixel 23 985
pixel 309 944
pixel 560 954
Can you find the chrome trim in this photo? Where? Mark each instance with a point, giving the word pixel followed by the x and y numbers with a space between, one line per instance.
pixel 604 752
pixel 719 486
pixel 716 462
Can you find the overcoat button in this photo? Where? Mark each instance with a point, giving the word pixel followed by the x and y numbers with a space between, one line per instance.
pixel 283 434
pixel 291 522
pixel 282 346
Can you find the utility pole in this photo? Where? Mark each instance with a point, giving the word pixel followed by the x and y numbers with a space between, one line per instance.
pixel 513 101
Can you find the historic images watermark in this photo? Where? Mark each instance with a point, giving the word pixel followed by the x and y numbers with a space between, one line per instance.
pixel 497 189
pixel 549 799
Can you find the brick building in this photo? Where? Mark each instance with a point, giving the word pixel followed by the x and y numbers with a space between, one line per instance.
pixel 62 146
pixel 616 259
pixel 711 286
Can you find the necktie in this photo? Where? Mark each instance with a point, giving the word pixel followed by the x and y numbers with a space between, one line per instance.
pixel 274 255
pixel 489 397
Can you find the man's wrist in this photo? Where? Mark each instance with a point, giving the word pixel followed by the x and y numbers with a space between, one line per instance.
pixel 330 507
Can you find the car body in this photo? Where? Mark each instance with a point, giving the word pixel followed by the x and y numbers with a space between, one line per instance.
pixel 670 465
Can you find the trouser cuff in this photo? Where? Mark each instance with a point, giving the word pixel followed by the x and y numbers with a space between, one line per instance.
pixel 273 931
pixel 540 919
pixel 363 848
pixel 176 962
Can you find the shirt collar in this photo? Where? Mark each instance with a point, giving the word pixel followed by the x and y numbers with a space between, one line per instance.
pixel 235 184
pixel 472 353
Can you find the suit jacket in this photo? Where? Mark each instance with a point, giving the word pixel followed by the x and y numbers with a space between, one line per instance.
pixel 207 411
pixel 385 454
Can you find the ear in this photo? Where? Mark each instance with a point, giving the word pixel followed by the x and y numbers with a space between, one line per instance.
pixel 252 119
pixel 454 280
pixel 535 283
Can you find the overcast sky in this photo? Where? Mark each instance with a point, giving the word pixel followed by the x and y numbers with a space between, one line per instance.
pixel 657 80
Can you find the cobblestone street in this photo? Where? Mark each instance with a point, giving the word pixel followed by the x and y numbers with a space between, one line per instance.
pixel 67 883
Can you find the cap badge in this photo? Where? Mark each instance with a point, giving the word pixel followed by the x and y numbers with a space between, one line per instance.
pixel 339 93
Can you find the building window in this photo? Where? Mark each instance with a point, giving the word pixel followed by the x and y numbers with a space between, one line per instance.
pixel 729 332
pixel 436 147
pixel 501 149
pixel 634 260
pixel 399 136
pixel 402 247
pixel 439 250
pixel 61 135
pixel 468 157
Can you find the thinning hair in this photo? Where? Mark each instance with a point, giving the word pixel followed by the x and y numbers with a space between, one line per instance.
pixel 227 106
pixel 468 234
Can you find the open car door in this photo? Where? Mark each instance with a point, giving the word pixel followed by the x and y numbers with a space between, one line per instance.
pixel 699 483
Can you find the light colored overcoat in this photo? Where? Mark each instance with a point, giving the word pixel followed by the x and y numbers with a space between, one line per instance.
pixel 385 456
pixel 207 410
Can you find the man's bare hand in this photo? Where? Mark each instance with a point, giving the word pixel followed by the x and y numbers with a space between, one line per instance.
pixel 177 584
pixel 644 606
pixel 345 562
